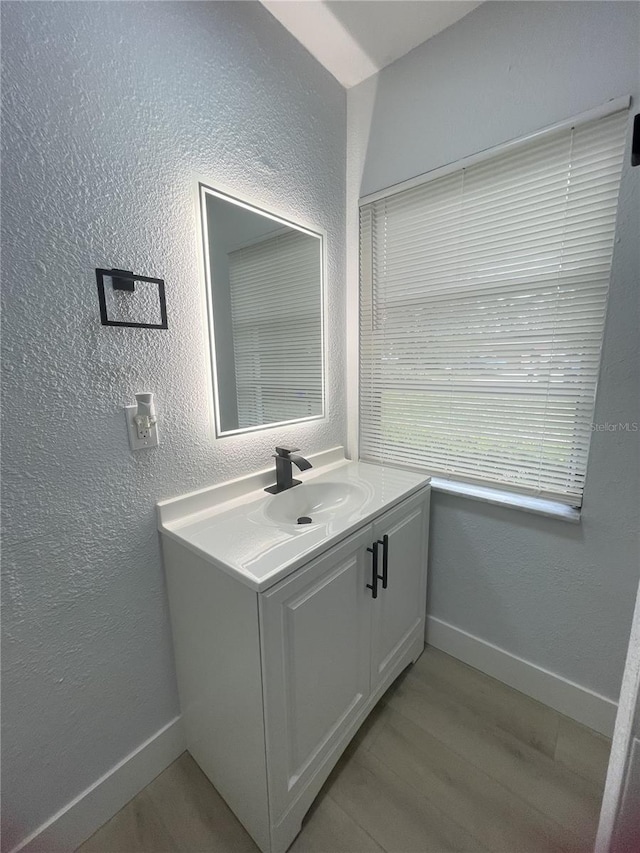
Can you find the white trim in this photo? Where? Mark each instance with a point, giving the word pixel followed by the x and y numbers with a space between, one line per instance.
pixel 360 109
pixel 615 105
pixel 87 812
pixel 584 705
pixel 512 500
pixel 622 745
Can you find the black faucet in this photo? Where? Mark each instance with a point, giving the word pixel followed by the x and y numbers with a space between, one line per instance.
pixel 284 457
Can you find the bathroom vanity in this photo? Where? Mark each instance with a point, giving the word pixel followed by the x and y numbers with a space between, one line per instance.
pixel 287 634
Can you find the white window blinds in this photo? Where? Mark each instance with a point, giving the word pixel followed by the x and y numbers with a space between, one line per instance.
pixel 276 313
pixel 483 298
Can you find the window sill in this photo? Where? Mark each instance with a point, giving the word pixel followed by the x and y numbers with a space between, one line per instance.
pixel 539 506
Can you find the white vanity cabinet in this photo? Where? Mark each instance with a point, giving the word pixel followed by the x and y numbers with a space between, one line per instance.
pixel 330 649
pixel 275 682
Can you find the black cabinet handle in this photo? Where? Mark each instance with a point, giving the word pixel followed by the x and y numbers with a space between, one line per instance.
pixel 373 586
pixel 385 559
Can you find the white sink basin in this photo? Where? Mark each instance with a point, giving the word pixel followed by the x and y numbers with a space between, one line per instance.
pixel 317 501
pixel 256 537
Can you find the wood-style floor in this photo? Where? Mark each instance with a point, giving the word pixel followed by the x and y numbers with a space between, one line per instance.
pixel 450 760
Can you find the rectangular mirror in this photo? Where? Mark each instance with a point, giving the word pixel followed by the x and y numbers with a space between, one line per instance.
pixel 264 281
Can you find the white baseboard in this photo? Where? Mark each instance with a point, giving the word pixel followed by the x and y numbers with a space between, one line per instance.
pixel 565 696
pixel 80 818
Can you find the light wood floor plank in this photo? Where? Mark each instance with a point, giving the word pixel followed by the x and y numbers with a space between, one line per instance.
pixel 535 778
pixel 583 751
pixel 393 813
pixel 193 812
pixel 137 828
pixel 488 810
pixel 530 721
pixel 329 829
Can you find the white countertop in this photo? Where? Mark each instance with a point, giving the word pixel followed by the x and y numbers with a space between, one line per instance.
pixel 240 537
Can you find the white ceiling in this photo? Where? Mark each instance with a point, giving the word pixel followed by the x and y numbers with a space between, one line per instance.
pixel 354 39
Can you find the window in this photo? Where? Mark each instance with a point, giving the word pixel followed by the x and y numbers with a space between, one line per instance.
pixel 483 299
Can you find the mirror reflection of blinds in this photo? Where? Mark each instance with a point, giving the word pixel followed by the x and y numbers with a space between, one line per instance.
pixel 276 312
pixel 483 299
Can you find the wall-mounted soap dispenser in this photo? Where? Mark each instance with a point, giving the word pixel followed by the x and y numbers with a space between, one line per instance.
pixel 142 424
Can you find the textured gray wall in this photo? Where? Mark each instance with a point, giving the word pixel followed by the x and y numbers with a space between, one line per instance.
pixel 555 594
pixel 111 111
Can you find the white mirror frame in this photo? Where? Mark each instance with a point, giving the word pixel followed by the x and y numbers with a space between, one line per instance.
pixel 202 190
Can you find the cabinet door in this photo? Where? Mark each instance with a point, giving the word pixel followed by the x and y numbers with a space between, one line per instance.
pixel 399 611
pixel 316 640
